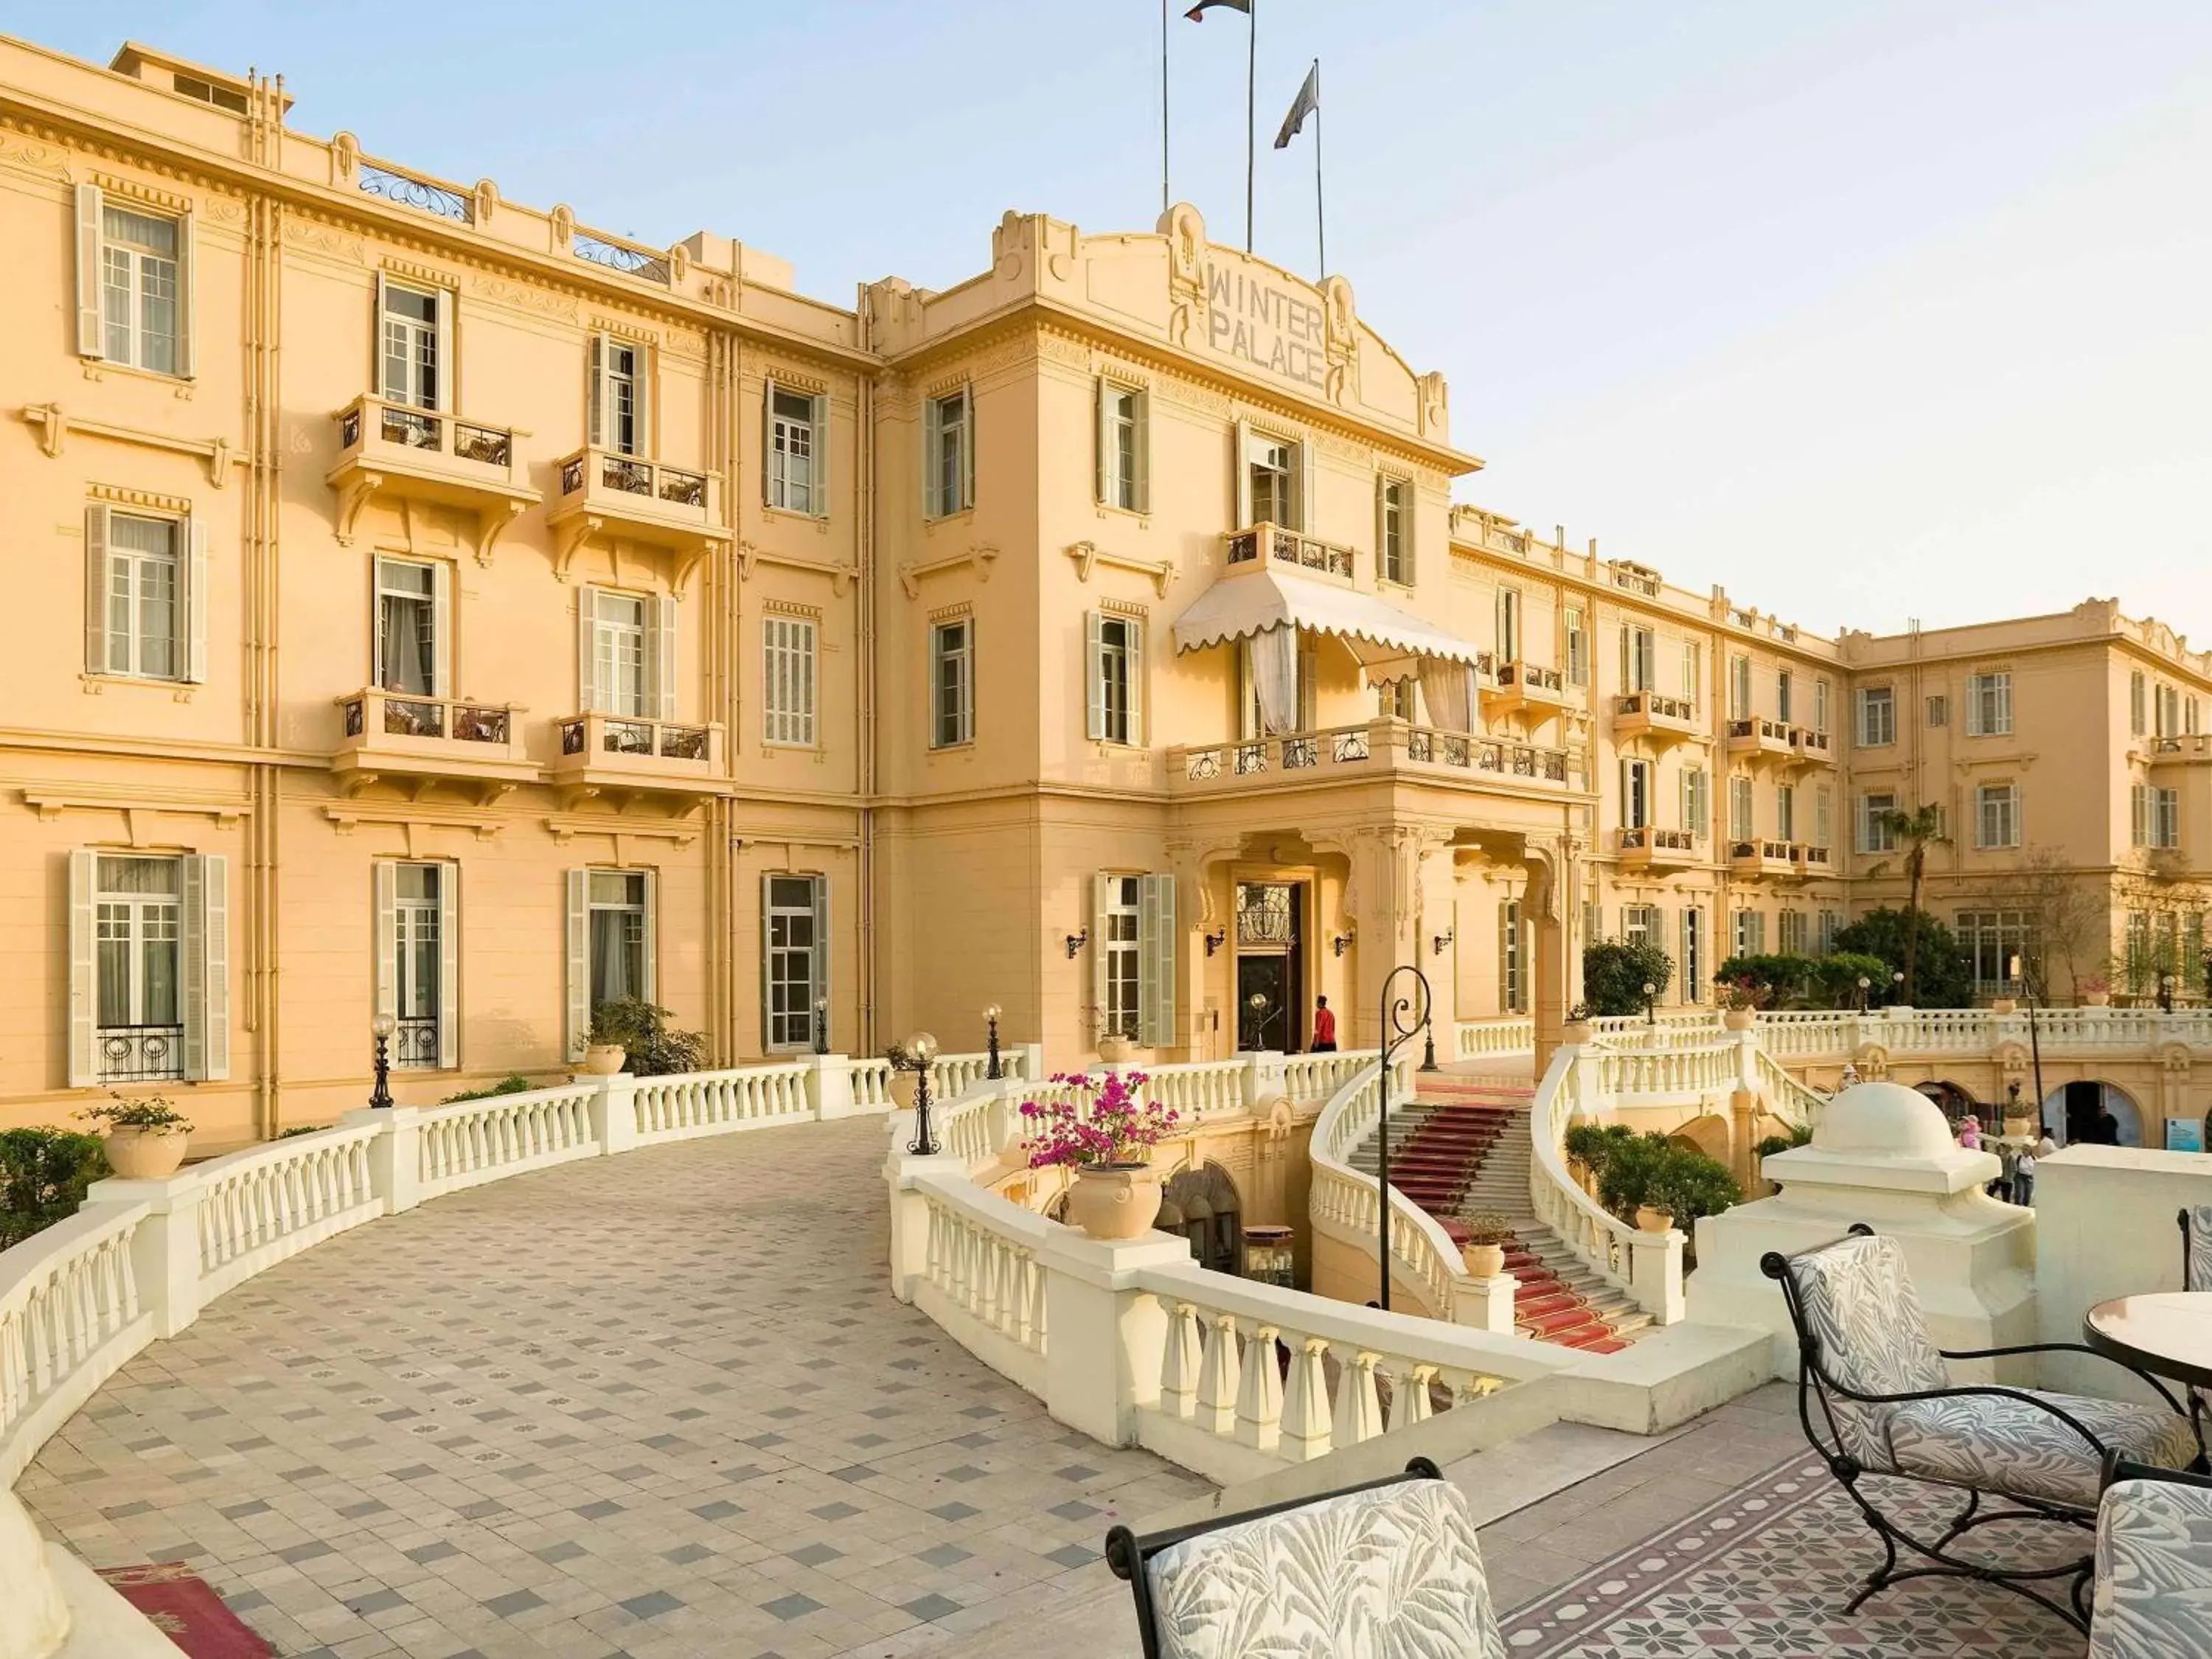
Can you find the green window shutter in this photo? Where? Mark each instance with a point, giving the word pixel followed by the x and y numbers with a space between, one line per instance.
pixel 967 448
pixel 1307 517
pixel 196 596
pixel 651 950
pixel 205 953
pixel 441 625
pixel 91 214
pixel 664 655
pixel 577 939
pixel 1102 904
pixel 766 958
pixel 1156 985
pixel 819 504
pixel 1132 632
pixel 1094 667
pixel 932 437
pixel 83 972
pixel 447 351
pixel 385 875
pixel 1142 405
pixel 1102 449
pixel 449 965
pixel 590 698
pixel 185 297
pixel 1240 475
pixel 818 969
pixel 95 588
pixel 595 391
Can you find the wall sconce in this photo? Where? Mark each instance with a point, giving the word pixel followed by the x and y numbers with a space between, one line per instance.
pixel 1216 940
pixel 1076 941
pixel 1337 941
pixel 1445 939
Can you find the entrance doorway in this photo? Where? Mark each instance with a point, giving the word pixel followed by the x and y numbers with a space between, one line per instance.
pixel 1270 983
pixel 2090 1112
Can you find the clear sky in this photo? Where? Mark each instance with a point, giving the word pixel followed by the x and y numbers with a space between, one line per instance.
pixel 1867 311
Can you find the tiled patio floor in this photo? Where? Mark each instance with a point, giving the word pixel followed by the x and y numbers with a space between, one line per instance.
pixel 657 1406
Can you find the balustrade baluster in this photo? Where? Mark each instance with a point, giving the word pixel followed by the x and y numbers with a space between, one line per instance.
pixel 1218 1377
pixel 1409 1395
pixel 1305 1418
pixel 1260 1400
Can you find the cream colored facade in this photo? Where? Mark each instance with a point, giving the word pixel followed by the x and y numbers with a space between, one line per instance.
pixel 428 603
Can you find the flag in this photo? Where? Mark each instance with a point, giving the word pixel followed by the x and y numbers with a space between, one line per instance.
pixel 1197 12
pixel 1306 103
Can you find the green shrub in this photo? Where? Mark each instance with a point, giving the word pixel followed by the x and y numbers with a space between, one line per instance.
pixel 1783 978
pixel 1615 972
pixel 1651 1169
pixel 1838 977
pixel 1799 1134
pixel 1591 1145
pixel 653 1047
pixel 512 1084
pixel 1940 970
pixel 42 1176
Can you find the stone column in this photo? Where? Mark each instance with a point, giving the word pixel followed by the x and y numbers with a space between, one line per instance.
pixel 1547 907
pixel 1109 1338
pixel 165 1252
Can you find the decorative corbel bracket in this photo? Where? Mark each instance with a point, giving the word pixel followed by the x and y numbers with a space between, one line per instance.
pixel 491 525
pixel 573 536
pixel 979 556
pixel 1088 555
pixel 841 577
pixel 356 492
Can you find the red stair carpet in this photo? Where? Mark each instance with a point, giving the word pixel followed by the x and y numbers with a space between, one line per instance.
pixel 186 1609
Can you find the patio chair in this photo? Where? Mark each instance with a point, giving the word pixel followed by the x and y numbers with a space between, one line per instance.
pixel 2154 1595
pixel 1887 1406
pixel 1390 1566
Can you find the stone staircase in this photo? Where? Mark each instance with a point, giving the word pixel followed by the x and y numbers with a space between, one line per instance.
pixel 1461 1148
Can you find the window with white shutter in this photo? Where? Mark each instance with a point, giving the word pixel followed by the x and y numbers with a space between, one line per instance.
pixel 1273 474
pixel 2139 815
pixel 1693 954
pixel 413 608
pixel 1156 978
pixel 1512 988
pixel 1875 833
pixel 952 683
pixel 2138 703
pixel 949 453
pixel 1394 531
pixel 414 349
pixel 134 282
pixel 1117 937
pixel 1996 810
pixel 1740 808
pixel 1988 705
pixel 1824 817
pixel 627 653
pixel 788 679
pixel 1693 672
pixel 1578 644
pixel 1123 416
pixel 141 933
pixel 416 954
pixel 146 600
pixel 1697 802
pixel 795 958
pixel 1507 634
pixel 1113 698
pixel 1785 812
pixel 1635 794
pixel 797 425
pixel 611 937
pixel 1786 687
pixel 621 395
pixel 1740 688
pixel 1877 722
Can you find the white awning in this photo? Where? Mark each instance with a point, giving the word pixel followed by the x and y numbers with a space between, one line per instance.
pixel 1236 607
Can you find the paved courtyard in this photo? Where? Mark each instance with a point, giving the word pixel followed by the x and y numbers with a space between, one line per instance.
pixel 653 1406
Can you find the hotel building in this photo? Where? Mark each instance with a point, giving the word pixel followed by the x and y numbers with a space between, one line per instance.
pixel 432 605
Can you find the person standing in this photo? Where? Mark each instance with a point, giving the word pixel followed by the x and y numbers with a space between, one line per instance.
pixel 1324 1038
pixel 2023 1172
pixel 2008 1170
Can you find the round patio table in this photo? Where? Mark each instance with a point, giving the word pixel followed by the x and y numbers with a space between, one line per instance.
pixel 2165 1331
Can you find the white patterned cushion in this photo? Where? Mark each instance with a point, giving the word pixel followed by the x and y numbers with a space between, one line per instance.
pixel 2196 1260
pixel 2003 1444
pixel 1859 1303
pixel 1390 1573
pixel 2153 1572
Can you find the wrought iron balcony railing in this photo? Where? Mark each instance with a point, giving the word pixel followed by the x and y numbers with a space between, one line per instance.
pixel 1281 546
pixel 140 1054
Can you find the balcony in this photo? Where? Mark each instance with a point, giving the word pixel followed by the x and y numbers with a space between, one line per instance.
pixel 1758 857
pixel 1289 547
pixel 646 503
pixel 418 743
pixel 1651 715
pixel 1815 860
pixel 1524 689
pixel 2195 748
pixel 1761 739
pixel 1656 849
pixel 619 757
pixel 390 451
pixel 1814 748
pixel 1381 749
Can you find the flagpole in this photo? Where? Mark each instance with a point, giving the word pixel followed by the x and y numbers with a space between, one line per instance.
pixel 1321 219
pixel 1251 69
pixel 1165 203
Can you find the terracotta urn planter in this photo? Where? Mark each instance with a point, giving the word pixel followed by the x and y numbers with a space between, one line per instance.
pixel 1116 1050
pixel 1738 1019
pixel 136 1154
pixel 1484 1260
pixel 2002 1005
pixel 2096 999
pixel 2019 1128
pixel 1115 1201
pixel 904 1086
pixel 1574 1033
pixel 604 1059
pixel 1653 1221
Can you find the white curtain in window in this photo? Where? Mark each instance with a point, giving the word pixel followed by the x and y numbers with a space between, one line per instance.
pixel 1447 690
pixel 1275 679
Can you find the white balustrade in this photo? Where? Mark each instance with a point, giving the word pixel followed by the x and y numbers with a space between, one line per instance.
pixel 1697 1072
pixel 693 1103
pixel 473 1141
pixel 1647 1265
pixel 1318 1077
pixel 70 1313
pixel 1514 1034
pixel 871 1085
pixel 1208 1088
pixel 258 1206
pixel 982 1278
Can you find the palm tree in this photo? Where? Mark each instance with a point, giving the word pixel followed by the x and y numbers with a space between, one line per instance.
pixel 1915 831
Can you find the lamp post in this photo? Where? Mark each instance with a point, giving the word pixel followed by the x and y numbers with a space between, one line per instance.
pixel 2165 994
pixel 1392 1021
pixel 994 1070
pixel 2034 1041
pixel 822 1026
pixel 1897 983
pixel 382 1027
pixel 922 1054
pixel 1650 1004
pixel 1865 984
pixel 1257 1002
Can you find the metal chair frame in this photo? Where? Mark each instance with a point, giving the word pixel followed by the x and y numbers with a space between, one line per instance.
pixel 1816 1382
pixel 1126 1554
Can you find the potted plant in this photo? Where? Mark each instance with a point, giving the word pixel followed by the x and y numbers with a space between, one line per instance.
pixel 1740 1000
pixel 1102 1131
pixel 1484 1252
pixel 603 1051
pixel 906 1076
pixel 145 1137
pixel 1627 1170
pixel 1577 1031
pixel 2096 992
pixel 644 1040
pixel 1116 1048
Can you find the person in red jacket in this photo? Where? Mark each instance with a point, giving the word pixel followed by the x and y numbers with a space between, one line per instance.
pixel 1324 1041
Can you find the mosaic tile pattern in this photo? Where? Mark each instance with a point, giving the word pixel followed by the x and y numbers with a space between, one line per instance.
pixel 1765 1572
pixel 647 1407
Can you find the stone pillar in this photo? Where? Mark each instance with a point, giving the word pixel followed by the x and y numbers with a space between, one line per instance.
pixel 909 1210
pixel 1109 1338
pixel 395 1157
pixel 165 1251
pixel 1743 1137
pixel 1882 1154
pixel 829 1087
pixel 1554 975
pixel 613 1113
pixel 1485 1304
